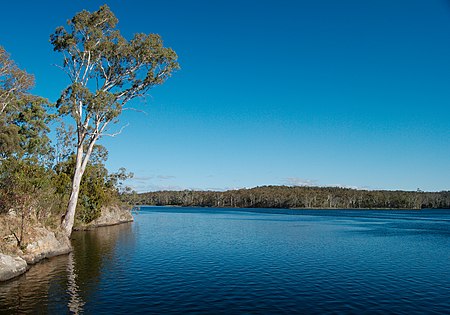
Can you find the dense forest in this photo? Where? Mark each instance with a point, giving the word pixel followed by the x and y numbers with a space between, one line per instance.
pixel 297 197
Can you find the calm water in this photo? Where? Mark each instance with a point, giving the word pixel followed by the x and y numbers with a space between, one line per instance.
pixel 173 260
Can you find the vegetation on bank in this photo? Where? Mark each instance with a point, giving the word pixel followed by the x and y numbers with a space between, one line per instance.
pixel 35 192
pixel 36 173
pixel 296 197
pixel 65 182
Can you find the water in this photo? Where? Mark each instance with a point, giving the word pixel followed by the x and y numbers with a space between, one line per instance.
pixel 173 260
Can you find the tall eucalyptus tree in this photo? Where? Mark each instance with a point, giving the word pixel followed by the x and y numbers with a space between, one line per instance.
pixel 106 71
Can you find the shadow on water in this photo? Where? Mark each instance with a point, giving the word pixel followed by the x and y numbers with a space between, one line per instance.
pixel 77 275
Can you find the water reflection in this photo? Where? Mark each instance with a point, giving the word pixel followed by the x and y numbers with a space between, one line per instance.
pixel 75 302
pixel 30 292
pixel 94 251
pixel 220 261
pixel 77 274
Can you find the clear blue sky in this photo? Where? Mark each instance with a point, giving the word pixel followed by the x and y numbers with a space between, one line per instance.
pixel 350 93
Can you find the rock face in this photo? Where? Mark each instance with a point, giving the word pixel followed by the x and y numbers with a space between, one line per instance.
pixel 111 215
pixel 46 245
pixel 11 267
pixel 42 243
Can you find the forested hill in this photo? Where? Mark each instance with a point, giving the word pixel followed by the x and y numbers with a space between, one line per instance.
pixel 298 197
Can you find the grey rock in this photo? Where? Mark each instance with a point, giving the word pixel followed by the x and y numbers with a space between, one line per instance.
pixel 111 215
pixel 11 267
pixel 47 246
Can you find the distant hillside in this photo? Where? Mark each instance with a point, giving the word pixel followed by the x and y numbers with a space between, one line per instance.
pixel 297 197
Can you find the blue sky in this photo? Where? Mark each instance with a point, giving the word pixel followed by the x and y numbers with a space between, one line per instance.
pixel 348 93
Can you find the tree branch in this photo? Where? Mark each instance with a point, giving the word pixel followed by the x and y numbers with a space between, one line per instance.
pixel 117 133
pixel 135 110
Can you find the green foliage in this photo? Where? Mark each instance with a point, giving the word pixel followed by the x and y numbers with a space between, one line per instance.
pixel 93 48
pixel 296 197
pixel 22 184
pixel 9 139
pixel 14 83
pixel 23 117
pixel 32 191
pixel 26 188
pixel 98 187
pixel 32 120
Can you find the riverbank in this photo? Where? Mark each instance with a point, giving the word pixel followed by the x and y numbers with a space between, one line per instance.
pixel 111 215
pixel 39 242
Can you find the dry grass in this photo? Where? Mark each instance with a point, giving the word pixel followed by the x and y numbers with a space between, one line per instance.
pixel 11 229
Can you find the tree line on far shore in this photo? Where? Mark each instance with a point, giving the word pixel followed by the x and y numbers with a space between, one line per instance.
pixel 296 197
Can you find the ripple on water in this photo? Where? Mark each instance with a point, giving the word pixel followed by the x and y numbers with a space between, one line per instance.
pixel 238 262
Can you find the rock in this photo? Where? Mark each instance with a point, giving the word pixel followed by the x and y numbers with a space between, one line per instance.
pixel 46 245
pixel 11 267
pixel 111 215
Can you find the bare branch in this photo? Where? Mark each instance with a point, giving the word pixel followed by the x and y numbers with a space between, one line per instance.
pixel 117 133
pixel 63 69
pixel 135 110
pixel 85 77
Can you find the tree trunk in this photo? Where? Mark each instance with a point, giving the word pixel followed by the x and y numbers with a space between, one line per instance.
pixel 80 166
pixel 69 217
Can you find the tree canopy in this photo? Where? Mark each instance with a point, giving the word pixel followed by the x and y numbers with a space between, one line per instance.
pixel 15 83
pixel 23 116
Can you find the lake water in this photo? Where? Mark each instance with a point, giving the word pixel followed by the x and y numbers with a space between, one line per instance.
pixel 179 260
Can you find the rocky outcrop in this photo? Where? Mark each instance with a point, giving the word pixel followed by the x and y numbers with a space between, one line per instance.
pixel 110 215
pixel 11 266
pixel 45 245
pixel 42 243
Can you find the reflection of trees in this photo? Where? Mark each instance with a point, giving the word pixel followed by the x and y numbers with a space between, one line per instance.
pixel 65 283
pixel 93 251
pixel 29 292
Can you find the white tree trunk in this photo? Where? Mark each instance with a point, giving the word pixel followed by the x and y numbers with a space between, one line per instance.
pixel 80 166
pixel 69 217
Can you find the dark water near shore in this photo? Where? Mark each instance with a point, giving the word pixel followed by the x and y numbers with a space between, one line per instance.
pixel 178 260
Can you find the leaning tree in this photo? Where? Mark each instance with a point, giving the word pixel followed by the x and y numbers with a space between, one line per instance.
pixel 106 71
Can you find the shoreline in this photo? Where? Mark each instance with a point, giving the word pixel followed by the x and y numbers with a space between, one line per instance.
pixel 50 244
pixel 295 208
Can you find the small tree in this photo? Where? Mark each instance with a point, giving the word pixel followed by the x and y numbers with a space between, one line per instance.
pixel 106 71
pixel 14 82
pixel 23 116
pixel 25 189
